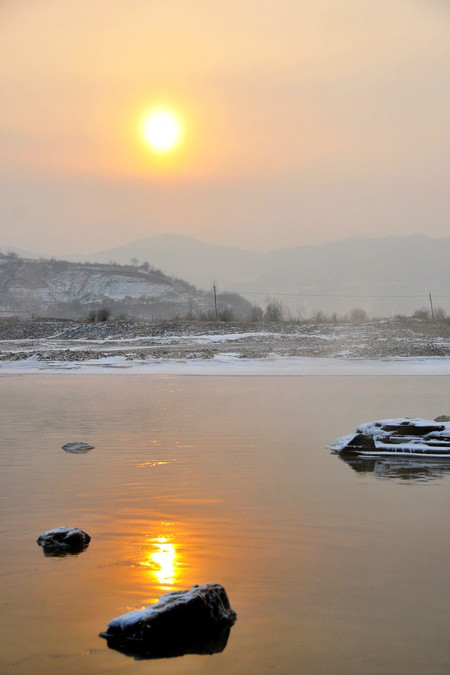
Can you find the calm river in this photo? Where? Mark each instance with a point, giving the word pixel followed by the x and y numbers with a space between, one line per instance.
pixel 332 569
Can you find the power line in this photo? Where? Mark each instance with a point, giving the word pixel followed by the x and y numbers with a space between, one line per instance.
pixel 330 295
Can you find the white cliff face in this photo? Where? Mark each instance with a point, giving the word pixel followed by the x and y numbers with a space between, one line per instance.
pixel 94 285
pixel 49 282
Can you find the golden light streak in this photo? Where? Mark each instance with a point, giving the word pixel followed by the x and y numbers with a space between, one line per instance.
pixel 162 561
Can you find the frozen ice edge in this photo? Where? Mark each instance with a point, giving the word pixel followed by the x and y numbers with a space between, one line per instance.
pixel 232 365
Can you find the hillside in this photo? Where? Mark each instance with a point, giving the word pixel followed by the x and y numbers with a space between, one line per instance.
pixel 196 261
pixel 60 288
pixel 377 274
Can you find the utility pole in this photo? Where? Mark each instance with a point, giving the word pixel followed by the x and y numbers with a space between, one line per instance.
pixel 215 299
pixel 431 305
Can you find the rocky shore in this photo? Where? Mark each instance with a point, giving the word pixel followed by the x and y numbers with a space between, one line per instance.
pixel 48 340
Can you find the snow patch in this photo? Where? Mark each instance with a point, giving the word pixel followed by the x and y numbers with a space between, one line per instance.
pixel 231 364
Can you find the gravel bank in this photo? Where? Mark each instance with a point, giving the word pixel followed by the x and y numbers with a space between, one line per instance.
pixel 50 340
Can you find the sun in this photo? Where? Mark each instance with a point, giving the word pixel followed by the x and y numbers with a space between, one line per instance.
pixel 161 130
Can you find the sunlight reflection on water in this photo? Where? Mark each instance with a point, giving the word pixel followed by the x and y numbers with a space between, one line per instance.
pixel 225 480
pixel 162 561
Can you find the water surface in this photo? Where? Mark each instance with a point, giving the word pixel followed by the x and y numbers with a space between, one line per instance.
pixel 333 569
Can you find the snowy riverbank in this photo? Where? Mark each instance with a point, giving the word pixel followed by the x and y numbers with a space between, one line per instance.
pixel 389 346
pixel 232 364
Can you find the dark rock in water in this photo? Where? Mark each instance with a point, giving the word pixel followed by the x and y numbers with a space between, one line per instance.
pixel 442 418
pixel 402 436
pixel 168 645
pixel 63 541
pixel 77 447
pixel 195 621
pixel 408 428
pixel 359 442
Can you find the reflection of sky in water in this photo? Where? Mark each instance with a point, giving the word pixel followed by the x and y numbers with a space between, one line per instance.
pixel 252 501
pixel 161 561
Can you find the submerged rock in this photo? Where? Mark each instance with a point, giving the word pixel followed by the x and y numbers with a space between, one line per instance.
pixel 195 621
pixel 63 541
pixel 442 418
pixel 400 436
pixel 78 447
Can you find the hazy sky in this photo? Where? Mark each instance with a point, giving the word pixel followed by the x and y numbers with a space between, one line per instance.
pixel 304 121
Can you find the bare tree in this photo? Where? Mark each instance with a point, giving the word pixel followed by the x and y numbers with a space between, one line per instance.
pixel 357 315
pixel 440 314
pixel 99 315
pixel 275 310
pixel 256 314
pixel 319 317
pixel 226 314
pixel 103 314
pixel 422 313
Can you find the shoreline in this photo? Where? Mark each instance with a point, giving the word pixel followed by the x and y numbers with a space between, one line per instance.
pixel 233 365
pixel 384 347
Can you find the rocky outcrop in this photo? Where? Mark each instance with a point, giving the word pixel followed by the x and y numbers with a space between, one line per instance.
pixel 78 447
pixel 195 621
pixel 63 541
pixel 400 436
pixel 59 288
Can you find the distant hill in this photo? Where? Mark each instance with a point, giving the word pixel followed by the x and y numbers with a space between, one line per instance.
pixel 188 258
pixel 23 253
pixel 310 276
pixel 59 288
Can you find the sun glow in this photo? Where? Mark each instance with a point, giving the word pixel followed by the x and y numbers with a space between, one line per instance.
pixel 162 130
pixel 162 561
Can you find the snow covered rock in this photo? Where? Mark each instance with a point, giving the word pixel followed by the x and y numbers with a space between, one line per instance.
pixel 400 436
pixel 78 447
pixel 195 621
pixel 63 541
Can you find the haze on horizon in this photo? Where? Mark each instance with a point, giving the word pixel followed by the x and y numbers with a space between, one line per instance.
pixel 302 122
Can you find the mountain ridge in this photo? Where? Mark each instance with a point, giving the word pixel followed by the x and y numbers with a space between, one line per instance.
pixel 397 266
pixel 384 275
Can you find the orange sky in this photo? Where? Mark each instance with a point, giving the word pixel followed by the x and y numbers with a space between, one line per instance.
pixel 303 121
